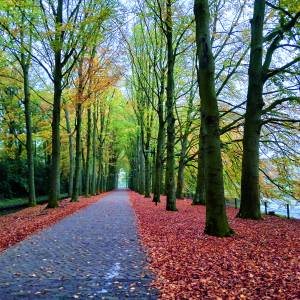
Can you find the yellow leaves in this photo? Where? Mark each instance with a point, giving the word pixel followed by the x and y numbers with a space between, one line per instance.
pixel 293 6
pixel 216 35
pixel 270 15
pixel 246 34
pixel 67 27
pixel 94 79
pixel 7 4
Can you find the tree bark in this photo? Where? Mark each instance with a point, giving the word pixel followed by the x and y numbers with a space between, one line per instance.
pixel 77 174
pixel 100 171
pixel 94 177
pixel 200 186
pixel 183 152
pixel 141 166
pixel 147 175
pixel 170 163
pixel 71 152
pixel 29 152
pixel 101 138
pixel 55 161
pixel 147 153
pixel 159 161
pixel 160 142
pixel 250 198
pixel 216 220
pixel 153 171
pixel 181 166
pixel 88 151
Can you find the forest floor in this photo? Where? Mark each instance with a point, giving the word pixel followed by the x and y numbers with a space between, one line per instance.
pixel 94 253
pixel 261 261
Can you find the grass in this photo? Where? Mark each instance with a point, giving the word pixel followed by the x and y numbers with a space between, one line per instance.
pixel 7 204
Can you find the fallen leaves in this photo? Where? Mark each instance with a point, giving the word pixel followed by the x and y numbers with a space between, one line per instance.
pixel 17 226
pixel 261 261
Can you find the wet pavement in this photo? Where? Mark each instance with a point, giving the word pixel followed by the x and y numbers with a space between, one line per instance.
pixel 92 254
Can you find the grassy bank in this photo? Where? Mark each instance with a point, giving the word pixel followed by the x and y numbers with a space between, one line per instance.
pixel 16 203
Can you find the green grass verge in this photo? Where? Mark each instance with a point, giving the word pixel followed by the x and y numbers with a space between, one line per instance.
pixel 22 202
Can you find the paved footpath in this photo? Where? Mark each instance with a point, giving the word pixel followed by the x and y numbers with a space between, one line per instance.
pixel 93 254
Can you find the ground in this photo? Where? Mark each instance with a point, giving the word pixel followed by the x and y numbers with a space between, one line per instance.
pixel 94 253
pixel 261 261
pixel 113 248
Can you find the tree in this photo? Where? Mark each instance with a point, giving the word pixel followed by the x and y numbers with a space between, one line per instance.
pixel 78 151
pixel 259 73
pixel 185 129
pixel 216 220
pixel 67 36
pixel 23 41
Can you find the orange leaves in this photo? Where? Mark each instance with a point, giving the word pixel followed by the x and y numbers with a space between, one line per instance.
pixel 18 226
pixel 260 262
pixel 95 76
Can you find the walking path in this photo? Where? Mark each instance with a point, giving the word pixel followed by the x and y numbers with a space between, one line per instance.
pixel 94 253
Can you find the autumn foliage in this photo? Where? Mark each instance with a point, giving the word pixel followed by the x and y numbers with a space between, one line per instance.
pixel 261 261
pixel 17 226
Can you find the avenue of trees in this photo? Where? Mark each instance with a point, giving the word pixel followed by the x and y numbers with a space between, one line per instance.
pixel 185 96
pixel 215 90
pixel 58 98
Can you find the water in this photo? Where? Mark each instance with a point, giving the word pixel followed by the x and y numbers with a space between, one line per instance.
pixel 280 207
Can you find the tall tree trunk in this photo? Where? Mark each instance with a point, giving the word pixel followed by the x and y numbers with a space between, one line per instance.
pixel 184 143
pixel 100 171
pixel 181 165
pixel 141 168
pixel 112 170
pixel 216 220
pixel 138 166
pixel 94 177
pixel 160 143
pixel 30 160
pixel 55 161
pixel 170 163
pixel 25 60
pixel 136 172
pixel 147 175
pixel 105 172
pixel 88 150
pixel 77 182
pixel 71 152
pixel 147 152
pixel 250 199
pixel 200 185
pixel 159 162
pixel 153 170
pixel 83 169
pixel 100 182
pixel 77 174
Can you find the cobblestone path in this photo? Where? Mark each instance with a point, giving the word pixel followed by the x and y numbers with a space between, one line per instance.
pixel 93 254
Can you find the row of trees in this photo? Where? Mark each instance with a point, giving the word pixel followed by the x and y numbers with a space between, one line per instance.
pixel 192 65
pixel 59 98
pixel 189 121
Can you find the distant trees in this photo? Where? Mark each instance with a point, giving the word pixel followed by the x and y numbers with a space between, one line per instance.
pixel 68 36
pixel 16 26
pixel 50 41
